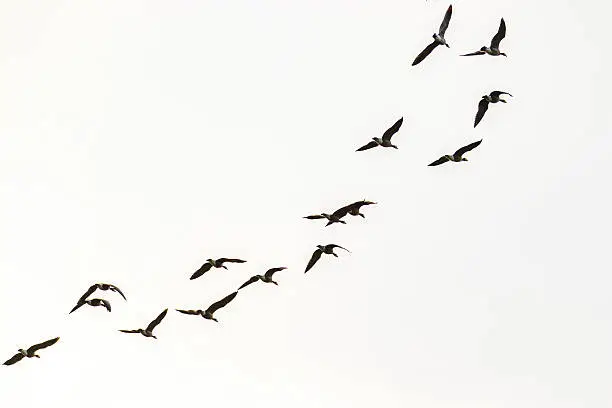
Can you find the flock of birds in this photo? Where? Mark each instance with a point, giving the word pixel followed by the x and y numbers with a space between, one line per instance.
pixel 337 216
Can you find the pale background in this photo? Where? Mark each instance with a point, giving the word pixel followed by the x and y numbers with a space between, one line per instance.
pixel 138 138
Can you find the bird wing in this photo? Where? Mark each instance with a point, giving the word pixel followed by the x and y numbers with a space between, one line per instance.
pixel 341 212
pixel 203 269
pixel 91 290
pixel 130 331
pixel 316 255
pixel 367 146
pixel 79 304
pixel 272 271
pixel 233 260
pixel 393 129
pixel 106 304
pixel 17 357
pixel 425 52
pixel 314 217
pixel 473 53
pixel 219 304
pixel 446 20
pixel 42 345
pixel 116 289
pixel 189 312
pixel 157 320
pixel 501 33
pixel 441 160
pixel 483 105
pixel 332 246
pixel 253 279
pixel 467 148
pixel 496 94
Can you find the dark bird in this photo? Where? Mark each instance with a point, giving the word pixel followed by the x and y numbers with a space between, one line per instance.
pixel 31 352
pixel 483 105
pixel 352 209
pixel 458 155
pixel 92 289
pixel 92 302
pixel 322 249
pixel 494 48
pixel 213 263
pixel 267 277
pixel 438 37
pixel 148 332
pixel 385 141
pixel 208 313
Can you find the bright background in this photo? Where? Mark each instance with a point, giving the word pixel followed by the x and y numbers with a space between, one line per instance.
pixel 138 138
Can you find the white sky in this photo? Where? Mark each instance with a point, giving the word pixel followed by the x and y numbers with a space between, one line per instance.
pixel 138 138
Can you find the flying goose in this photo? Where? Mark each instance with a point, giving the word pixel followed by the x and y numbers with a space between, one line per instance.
pixel 457 156
pixel 267 277
pixel 322 249
pixel 494 48
pixel 352 209
pixel 31 352
pixel 92 302
pixel 208 313
pixel 483 105
pixel 385 141
pixel 218 263
pixel 148 332
pixel 438 37
pixel 92 289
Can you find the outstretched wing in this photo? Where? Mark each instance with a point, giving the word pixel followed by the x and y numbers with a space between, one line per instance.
pixel 441 160
pixel 203 269
pixel 341 212
pixel 272 271
pixel 130 331
pixel 17 357
pixel 42 345
pixel 316 255
pixel 232 260
pixel 188 312
pixel 91 290
pixel 116 289
pixel 393 129
pixel 79 304
pixel 253 279
pixel 467 148
pixel 425 52
pixel 496 94
pixel 367 146
pixel 157 320
pixel 332 246
pixel 473 53
pixel 501 33
pixel 483 105
pixel 106 304
pixel 314 217
pixel 219 304
pixel 446 20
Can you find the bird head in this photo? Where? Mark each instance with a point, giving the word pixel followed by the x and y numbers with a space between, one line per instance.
pixel 503 53
pixel 210 260
pixel 274 282
pixel 212 318
pixel 483 48
pixel 154 337
pixel 464 159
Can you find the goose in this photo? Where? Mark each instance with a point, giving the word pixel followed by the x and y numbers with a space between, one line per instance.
pixel 385 141
pixel 330 217
pixel 322 249
pixel 352 209
pixel 483 105
pixel 102 286
pixel 218 263
pixel 208 313
pixel 31 352
pixel 92 302
pixel 267 277
pixel 438 37
pixel 148 332
pixel 494 48
pixel 457 156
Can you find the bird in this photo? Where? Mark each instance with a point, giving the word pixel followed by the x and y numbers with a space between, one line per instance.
pixel 148 332
pixel 330 217
pixel 493 49
pixel 218 263
pixel 208 313
pixel 385 141
pixel 457 156
pixel 438 37
pixel 31 352
pixel 483 105
pixel 352 209
pixel 267 277
pixel 322 249
pixel 92 289
pixel 92 302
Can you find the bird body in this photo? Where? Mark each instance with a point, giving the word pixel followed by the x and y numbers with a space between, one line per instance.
pixel 438 37
pixel 385 140
pixel 322 249
pixel 93 302
pixel 148 331
pixel 266 278
pixel 214 263
pixel 208 313
pixel 457 156
pixel 492 49
pixel 30 352
pixel 330 217
pixel 483 105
